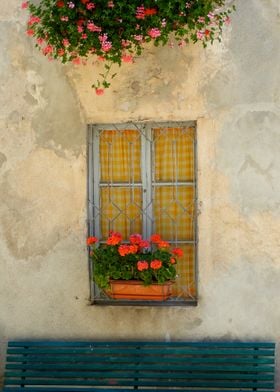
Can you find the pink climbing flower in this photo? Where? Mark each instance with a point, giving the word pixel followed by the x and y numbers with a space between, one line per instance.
pixel 76 61
pixel 201 19
pixel 227 20
pixel 40 41
pixel 33 19
pixel 47 50
pixel 60 52
pixel 110 4
pixel 71 4
pixel 92 27
pixel 200 34
pixel 140 12
pixel 106 46
pixel 90 6
pixel 138 37
pixel 154 32
pixel 125 43
pixel 24 5
pixel 99 91
pixel 65 42
pixel 30 32
pixel 127 58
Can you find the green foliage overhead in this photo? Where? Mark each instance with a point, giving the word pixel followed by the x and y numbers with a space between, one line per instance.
pixel 116 31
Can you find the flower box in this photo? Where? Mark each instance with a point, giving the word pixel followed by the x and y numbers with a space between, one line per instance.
pixel 134 290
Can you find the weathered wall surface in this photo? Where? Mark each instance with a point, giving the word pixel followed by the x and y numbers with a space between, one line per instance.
pixel 232 90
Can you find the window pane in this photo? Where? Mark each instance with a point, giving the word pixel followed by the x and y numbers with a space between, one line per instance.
pixel 121 210
pixel 185 283
pixel 174 212
pixel 174 154
pixel 120 156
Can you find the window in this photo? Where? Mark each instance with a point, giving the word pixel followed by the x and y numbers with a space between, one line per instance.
pixel 142 179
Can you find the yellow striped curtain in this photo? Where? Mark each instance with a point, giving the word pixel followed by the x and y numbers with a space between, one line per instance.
pixel 173 205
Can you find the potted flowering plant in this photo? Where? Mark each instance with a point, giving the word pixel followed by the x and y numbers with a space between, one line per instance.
pixel 149 267
pixel 116 31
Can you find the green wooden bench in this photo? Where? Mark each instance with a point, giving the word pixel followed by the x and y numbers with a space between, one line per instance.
pixel 147 366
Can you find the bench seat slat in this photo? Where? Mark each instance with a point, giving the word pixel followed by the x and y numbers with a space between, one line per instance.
pixel 123 374
pixel 86 389
pixel 109 359
pixel 142 344
pixel 190 383
pixel 152 366
pixel 143 351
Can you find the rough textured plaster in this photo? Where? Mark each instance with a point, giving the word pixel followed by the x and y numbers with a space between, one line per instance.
pixel 26 194
pixel 232 90
pixel 249 155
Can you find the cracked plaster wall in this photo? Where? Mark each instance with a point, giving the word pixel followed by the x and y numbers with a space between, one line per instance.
pixel 232 90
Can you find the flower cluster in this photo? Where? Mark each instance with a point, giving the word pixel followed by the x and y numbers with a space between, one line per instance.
pixel 116 30
pixel 149 261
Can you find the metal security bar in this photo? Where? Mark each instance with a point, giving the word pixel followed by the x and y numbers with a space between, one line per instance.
pixel 142 178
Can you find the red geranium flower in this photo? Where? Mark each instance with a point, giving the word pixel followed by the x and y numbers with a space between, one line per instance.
pixel 156 264
pixel 91 240
pixel 155 238
pixel 163 244
pixel 115 238
pixel 178 252
pixel 135 238
pixel 142 265
pixel 60 4
pixel 150 11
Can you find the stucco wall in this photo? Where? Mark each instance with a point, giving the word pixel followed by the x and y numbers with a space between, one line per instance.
pixel 232 90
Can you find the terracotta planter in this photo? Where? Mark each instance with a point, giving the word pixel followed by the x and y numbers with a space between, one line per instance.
pixel 134 290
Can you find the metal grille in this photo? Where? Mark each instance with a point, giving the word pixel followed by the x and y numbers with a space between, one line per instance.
pixel 142 179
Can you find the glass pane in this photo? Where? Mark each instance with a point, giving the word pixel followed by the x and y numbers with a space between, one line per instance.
pixel 120 156
pixel 174 154
pixel 174 212
pixel 185 283
pixel 121 210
